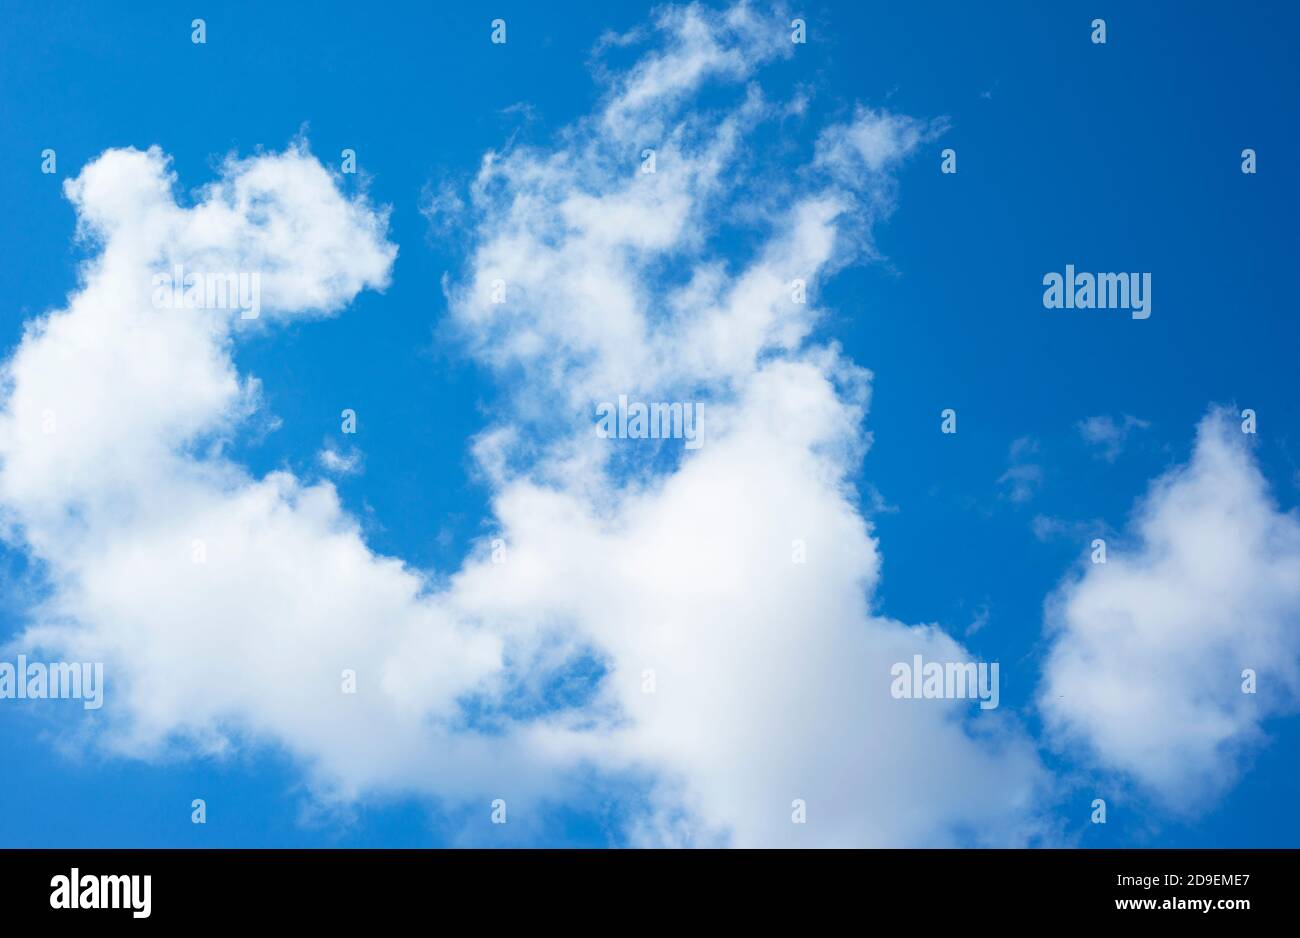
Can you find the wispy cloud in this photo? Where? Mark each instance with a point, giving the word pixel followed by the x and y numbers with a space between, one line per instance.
pixel 1022 479
pixel 340 462
pixel 980 620
pixel 1108 434
pixel 1049 528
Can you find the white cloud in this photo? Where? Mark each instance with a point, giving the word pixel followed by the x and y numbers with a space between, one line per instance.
pixel 699 44
pixel 772 676
pixel 340 463
pixel 874 141
pixel 225 607
pixel 1145 670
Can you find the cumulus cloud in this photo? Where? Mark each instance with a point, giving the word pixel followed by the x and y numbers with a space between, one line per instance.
pixel 1145 669
pixel 225 607
pixel 720 601
pixel 767 674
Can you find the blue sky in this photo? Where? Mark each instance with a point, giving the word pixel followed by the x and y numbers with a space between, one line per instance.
pixel 1115 157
